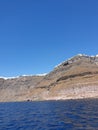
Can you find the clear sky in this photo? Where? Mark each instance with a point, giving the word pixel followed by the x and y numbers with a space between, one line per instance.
pixel 36 35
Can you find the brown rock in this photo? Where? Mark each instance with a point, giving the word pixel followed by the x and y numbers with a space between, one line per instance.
pixel 72 79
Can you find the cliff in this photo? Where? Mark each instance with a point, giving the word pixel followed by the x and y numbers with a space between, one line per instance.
pixel 72 79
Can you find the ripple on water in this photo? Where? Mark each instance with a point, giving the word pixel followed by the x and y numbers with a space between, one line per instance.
pixel 50 115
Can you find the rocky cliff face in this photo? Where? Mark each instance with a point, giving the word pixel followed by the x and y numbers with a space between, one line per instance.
pixel 18 89
pixel 72 79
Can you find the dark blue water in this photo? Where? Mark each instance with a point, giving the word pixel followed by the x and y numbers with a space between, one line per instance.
pixel 50 115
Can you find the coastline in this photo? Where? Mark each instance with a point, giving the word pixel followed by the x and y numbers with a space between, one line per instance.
pixel 55 99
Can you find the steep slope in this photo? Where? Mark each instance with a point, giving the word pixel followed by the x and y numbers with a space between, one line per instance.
pixel 72 79
pixel 17 89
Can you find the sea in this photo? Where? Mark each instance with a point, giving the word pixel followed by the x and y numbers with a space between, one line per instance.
pixel 50 115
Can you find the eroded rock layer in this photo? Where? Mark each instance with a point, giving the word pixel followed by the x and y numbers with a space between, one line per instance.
pixel 72 79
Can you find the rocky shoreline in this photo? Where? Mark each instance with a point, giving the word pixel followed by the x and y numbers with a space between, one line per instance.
pixel 75 78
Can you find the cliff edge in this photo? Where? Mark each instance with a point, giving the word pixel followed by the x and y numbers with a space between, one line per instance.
pixel 72 79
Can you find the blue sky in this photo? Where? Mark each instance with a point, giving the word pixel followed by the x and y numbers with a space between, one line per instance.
pixel 36 35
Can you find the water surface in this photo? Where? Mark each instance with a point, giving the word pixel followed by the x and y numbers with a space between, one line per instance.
pixel 50 115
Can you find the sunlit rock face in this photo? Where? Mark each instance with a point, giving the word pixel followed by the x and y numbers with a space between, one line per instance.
pixel 74 78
